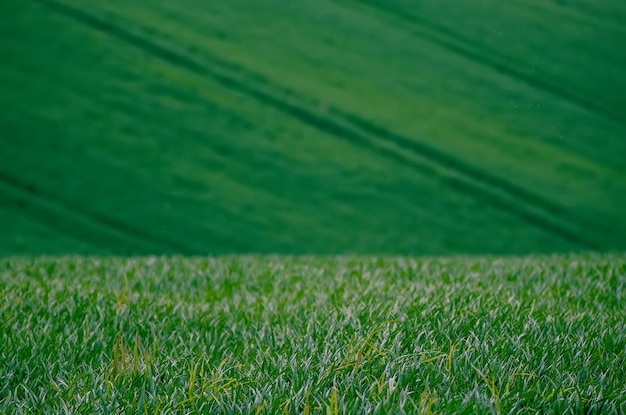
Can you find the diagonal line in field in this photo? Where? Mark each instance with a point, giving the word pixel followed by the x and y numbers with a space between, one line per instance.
pixel 453 43
pixel 352 129
pixel 465 169
pixel 104 225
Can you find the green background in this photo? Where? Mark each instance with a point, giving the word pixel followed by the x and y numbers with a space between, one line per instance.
pixel 312 126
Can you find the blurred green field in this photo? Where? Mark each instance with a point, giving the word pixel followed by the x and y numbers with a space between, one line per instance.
pixel 312 126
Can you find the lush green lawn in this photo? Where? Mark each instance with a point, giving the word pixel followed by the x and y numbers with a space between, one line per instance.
pixel 313 126
pixel 313 335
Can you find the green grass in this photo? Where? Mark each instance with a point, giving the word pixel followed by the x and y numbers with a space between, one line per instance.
pixel 314 127
pixel 271 335
pixel 356 128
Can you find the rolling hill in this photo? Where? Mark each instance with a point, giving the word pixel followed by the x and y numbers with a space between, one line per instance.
pixel 316 126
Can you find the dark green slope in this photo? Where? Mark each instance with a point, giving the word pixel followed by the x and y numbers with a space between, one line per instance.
pixel 311 127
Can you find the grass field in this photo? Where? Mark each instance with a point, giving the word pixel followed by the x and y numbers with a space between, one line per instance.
pixel 444 166
pixel 270 335
pixel 314 127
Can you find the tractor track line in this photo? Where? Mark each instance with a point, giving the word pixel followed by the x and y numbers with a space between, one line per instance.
pixel 444 159
pixel 453 43
pixel 418 148
pixel 138 238
pixel 12 199
pixel 56 217
pixel 313 119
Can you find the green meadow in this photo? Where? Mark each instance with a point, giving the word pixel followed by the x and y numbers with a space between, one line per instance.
pixel 315 127
pixel 312 207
